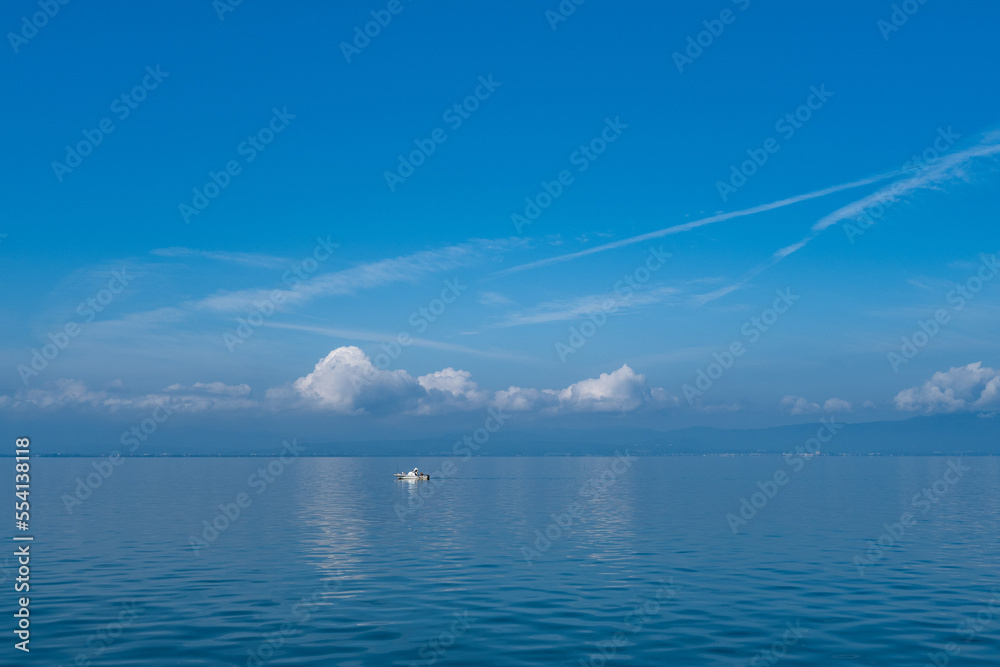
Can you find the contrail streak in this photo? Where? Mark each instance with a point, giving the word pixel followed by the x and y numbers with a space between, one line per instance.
pixel 688 226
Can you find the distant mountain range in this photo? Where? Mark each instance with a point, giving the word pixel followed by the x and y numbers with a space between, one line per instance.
pixel 966 434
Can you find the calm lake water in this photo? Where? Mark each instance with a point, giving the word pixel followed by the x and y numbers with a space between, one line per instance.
pixel 332 562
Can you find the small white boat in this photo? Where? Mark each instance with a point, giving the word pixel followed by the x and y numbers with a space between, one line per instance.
pixel 413 474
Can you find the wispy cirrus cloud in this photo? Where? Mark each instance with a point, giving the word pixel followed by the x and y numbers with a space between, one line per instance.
pixel 694 224
pixel 295 291
pixel 905 183
pixel 933 176
pixel 378 337
pixel 947 168
pixel 575 308
pixel 494 299
pixel 245 258
pixel 406 268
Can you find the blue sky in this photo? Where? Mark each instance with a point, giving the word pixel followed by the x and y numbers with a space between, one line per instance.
pixel 661 139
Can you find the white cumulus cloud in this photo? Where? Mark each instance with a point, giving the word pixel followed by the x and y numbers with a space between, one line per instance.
pixel 65 392
pixel 959 389
pixel 798 405
pixel 199 397
pixel 220 388
pixel 347 382
pixel 449 390
pixel 622 390
pixel 837 405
